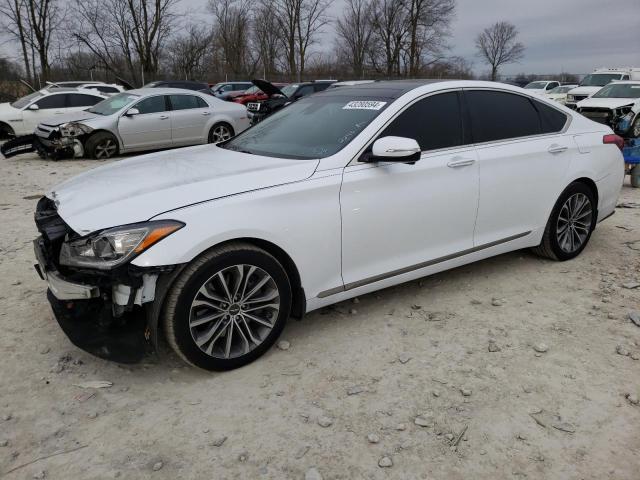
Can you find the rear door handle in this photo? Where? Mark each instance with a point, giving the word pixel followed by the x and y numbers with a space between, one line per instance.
pixel 457 162
pixel 164 117
pixel 555 148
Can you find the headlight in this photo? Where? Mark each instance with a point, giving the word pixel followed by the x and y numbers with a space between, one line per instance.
pixel 570 98
pixel 114 246
pixel 72 129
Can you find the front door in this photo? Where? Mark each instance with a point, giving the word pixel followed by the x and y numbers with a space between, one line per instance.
pixel 399 217
pixel 48 108
pixel 150 128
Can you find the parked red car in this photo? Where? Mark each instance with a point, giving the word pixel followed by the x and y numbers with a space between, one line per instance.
pixel 254 94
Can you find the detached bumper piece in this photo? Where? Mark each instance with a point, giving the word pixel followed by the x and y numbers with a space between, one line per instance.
pixel 18 146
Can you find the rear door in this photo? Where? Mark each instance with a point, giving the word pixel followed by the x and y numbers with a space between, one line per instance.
pixel 523 156
pixel 190 115
pixel 150 128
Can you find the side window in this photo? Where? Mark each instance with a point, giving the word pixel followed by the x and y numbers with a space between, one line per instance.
pixel 202 103
pixel 434 122
pixel 500 115
pixel 306 90
pixel 184 102
pixel 81 100
pixel 551 120
pixel 52 101
pixel 625 77
pixel 152 104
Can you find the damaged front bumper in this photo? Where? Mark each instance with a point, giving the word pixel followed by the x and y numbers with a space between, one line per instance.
pixel 110 314
pixel 51 143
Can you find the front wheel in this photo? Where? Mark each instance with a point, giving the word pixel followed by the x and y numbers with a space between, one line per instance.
pixel 101 146
pixel 570 225
pixel 227 307
pixel 220 132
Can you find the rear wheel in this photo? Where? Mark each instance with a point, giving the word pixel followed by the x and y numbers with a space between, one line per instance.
pixel 570 225
pixel 101 145
pixel 220 132
pixel 227 307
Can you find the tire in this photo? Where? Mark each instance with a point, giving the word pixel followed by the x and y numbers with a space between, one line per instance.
pixel 569 227
pixel 101 146
pixel 6 132
pixel 197 317
pixel 220 132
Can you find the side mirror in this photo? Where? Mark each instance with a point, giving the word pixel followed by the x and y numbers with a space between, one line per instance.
pixel 395 149
pixel 132 112
pixel 33 107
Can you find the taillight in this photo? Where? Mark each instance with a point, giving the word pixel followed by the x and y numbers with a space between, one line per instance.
pixel 615 140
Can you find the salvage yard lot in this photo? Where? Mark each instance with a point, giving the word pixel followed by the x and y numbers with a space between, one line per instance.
pixel 497 348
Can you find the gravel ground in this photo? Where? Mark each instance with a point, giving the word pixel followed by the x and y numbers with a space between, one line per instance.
pixel 514 367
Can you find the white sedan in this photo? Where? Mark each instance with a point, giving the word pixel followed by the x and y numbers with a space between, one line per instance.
pixel 21 117
pixel 339 194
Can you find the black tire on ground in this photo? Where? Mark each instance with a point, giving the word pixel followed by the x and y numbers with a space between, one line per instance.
pixel 101 145
pixel 550 246
pixel 219 132
pixel 6 131
pixel 177 311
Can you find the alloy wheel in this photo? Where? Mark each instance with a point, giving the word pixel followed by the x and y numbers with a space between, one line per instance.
pixel 106 149
pixel 574 222
pixel 234 311
pixel 220 133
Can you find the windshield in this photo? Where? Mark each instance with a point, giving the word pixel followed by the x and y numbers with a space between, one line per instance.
pixel 619 90
pixel 536 85
pixel 314 127
pixel 113 104
pixel 24 101
pixel 289 90
pixel 599 79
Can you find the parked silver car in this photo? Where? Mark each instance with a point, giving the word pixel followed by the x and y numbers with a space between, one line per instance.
pixel 142 119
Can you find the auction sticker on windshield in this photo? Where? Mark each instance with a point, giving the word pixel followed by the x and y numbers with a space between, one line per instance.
pixel 364 105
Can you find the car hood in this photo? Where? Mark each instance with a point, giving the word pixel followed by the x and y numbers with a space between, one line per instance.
pixel 268 88
pixel 69 117
pixel 7 109
pixel 610 103
pixel 584 90
pixel 140 188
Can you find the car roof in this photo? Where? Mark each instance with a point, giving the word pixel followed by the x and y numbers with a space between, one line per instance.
pixel 163 91
pixel 54 89
pixel 394 89
pixel 625 82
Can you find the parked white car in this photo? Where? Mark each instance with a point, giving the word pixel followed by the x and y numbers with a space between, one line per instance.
pixel 559 94
pixel 142 119
pixel 541 86
pixel 108 88
pixel 339 194
pixel 22 116
pixel 598 79
pixel 611 102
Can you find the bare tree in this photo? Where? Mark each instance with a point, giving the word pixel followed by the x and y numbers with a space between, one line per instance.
pixel 390 28
pixel 266 31
pixel 232 24
pixel 300 22
pixel 127 35
pixel 16 24
pixel 428 24
pixel 498 46
pixel 354 30
pixel 44 19
pixel 187 54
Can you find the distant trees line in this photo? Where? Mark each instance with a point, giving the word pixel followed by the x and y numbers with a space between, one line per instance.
pixel 142 40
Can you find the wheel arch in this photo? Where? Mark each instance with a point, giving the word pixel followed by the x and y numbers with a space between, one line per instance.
pixel 5 127
pixel 592 186
pixel 104 130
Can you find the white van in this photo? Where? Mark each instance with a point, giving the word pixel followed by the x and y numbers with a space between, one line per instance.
pixel 598 79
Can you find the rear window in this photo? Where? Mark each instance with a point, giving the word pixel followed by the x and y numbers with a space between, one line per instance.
pixel 501 115
pixel 551 120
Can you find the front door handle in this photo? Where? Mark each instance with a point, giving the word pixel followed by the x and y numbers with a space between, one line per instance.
pixel 555 148
pixel 457 162
pixel 164 117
